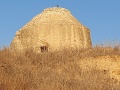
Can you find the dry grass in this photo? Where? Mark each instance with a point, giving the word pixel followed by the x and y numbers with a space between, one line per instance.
pixel 55 71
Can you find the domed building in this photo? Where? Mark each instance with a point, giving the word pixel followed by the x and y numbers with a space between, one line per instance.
pixel 52 30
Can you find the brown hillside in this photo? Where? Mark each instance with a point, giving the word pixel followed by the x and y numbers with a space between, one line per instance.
pixel 87 69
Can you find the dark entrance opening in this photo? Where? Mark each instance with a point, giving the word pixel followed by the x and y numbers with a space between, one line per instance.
pixel 44 49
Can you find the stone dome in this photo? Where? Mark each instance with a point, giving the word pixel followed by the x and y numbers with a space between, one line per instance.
pixel 52 30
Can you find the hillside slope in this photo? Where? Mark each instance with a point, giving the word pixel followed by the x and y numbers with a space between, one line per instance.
pixel 89 69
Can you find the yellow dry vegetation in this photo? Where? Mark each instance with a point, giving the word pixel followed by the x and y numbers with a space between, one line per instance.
pixel 86 69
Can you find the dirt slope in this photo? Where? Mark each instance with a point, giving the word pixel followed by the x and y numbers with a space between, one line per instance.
pixel 95 69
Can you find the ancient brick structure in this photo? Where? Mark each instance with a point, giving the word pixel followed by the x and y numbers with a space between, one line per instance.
pixel 52 30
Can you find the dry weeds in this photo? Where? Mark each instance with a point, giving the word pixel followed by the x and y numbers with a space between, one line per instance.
pixel 57 71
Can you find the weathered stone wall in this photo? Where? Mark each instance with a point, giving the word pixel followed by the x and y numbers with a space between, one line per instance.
pixel 55 28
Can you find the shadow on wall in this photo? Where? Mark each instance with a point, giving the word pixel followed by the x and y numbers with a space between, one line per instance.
pixel 43 49
pixel 43 46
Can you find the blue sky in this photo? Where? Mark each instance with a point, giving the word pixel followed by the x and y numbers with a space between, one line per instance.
pixel 101 16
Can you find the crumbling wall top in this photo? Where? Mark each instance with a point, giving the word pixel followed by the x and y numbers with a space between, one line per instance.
pixel 56 9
